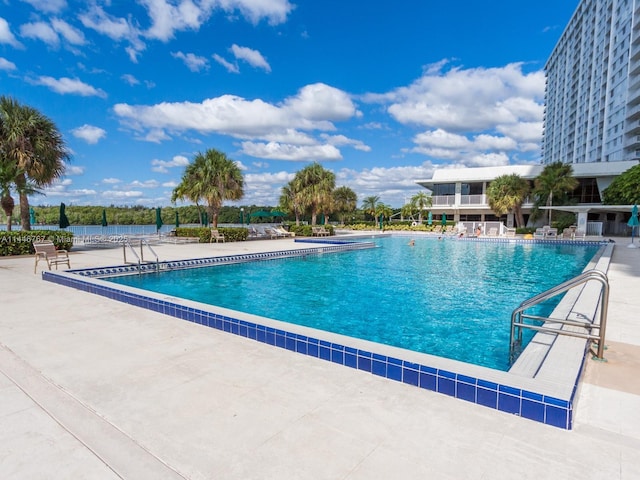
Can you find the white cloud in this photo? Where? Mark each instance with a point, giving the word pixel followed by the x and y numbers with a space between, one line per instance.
pixel 6 64
pixel 73 170
pixel 165 18
pixel 122 194
pixel 6 36
pixel 468 100
pixel 192 61
pixel 71 34
pixel 130 79
pixel 315 107
pixel 296 153
pixel 487 160
pixel 252 57
pixel 66 85
pixel 163 166
pixel 111 181
pixel 118 29
pixel 231 67
pixel 40 31
pixel 340 140
pixel 320 101
pixel 89 133
pixel 47 6
pixel 145 184
pixel 474 116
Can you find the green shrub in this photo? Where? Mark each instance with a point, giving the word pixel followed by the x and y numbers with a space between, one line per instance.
pixel 21 243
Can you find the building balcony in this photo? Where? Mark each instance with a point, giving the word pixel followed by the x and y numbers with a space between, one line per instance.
pixel 443 200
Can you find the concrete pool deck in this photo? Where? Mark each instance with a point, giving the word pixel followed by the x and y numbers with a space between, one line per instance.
pixel 93 388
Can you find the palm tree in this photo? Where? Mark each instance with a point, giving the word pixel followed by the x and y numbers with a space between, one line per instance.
pixel 408 209
pixel 369 205
pixel 345 201
pixel 312 187
pixel 556 179
pixel 382 210
pixel 421 201
pixel 506 194
pixel 290 202
pixel 33 143
pixel 212 177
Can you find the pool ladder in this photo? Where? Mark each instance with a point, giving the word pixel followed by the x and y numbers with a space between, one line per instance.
pixel 519 317
pixel 140 258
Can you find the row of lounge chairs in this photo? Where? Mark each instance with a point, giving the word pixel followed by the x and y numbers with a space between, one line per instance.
pixel 269 232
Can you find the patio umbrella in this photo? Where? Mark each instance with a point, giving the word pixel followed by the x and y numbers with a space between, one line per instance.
pixel 177 219
pixel 444 220
pixel 429 218
pixel 32 216
pixel 158 218
pixel 261 213
pixel 104 218
pixel 64 221
pixel 381 218
pixel 204 218
pixel 633 223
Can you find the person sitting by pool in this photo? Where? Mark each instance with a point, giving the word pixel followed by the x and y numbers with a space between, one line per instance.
pixel 478 231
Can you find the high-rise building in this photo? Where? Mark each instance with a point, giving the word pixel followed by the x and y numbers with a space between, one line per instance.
pixel 592 111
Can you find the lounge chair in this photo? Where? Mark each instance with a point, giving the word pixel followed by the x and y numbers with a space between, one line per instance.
pixel 47 251
pixel 509 232
pixel 284 232
pixel 551 233
pixel 319 232
pixel 272 233
pixel 540 233
pixel 493 232
pixel 216 235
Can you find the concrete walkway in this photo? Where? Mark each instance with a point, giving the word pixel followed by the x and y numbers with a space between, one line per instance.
pixel 92 388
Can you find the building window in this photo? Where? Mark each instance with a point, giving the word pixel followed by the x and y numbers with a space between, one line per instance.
pixel 444 189
pixel 471 189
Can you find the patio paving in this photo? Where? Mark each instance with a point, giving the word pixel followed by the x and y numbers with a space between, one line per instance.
pixel 93 388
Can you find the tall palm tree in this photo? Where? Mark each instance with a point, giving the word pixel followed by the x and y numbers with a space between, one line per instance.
pixel 33 143
pixel 290 201
pixel 214 178
pixel 506 194
pixel 312 187
pixel 421 201
pixel 369 205
pixel 556 179
pixel 345 201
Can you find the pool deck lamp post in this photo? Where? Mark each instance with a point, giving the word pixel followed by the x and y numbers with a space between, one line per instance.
pixel 241 215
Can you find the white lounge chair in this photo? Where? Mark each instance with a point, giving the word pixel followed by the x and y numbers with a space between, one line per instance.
pixel 47 251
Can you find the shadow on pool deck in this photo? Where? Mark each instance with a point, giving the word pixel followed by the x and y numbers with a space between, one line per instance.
pixel 93 388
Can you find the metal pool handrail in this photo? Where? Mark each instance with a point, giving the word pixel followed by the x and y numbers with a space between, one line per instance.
pixel 127 244
pixel 518 316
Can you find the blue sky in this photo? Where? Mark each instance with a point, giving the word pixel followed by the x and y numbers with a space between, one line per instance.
pixel 380 92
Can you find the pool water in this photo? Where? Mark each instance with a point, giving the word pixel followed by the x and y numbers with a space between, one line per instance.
pixel 443 297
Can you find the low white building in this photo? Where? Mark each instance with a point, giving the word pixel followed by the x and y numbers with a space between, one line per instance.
pixel 460 194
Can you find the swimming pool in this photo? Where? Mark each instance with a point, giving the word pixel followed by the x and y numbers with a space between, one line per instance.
pixel 447 298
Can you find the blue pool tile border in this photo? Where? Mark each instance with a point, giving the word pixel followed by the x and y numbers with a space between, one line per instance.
pixel 534 406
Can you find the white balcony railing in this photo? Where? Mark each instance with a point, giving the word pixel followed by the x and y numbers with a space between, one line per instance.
pixel 443 200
